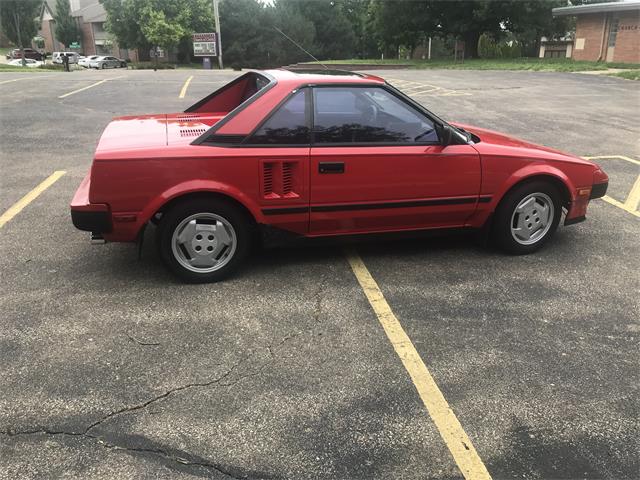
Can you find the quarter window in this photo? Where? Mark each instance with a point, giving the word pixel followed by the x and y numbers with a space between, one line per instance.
pixel 367 115
pixel 287 126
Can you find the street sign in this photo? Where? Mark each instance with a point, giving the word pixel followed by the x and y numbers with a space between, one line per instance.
pixel 204 45
pixel 159 52
pixel 74 45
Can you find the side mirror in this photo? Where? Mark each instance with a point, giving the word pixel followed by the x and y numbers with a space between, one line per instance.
pixel 445 134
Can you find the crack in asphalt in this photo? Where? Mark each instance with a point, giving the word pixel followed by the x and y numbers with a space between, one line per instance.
pixel 219 381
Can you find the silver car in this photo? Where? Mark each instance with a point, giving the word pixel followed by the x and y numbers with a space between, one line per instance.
pixel 106 62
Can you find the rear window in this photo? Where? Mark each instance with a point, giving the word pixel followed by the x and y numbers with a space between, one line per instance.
pixel 232 95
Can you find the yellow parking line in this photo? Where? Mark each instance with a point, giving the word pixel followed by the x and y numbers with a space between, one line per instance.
pixel 620 157
pixel 30 197
pixel 89 86
pixel 185 86
pixel 633 199
pixel 452 433
pixel 422 92
pixel 24 78
pixel 621 205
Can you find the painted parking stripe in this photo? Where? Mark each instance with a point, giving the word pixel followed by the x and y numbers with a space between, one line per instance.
pixel 24 78
pixel 620 157
pixel 185 86
pixel 633 199
pixel 632 202
pixel 450 429
pixel 30 197
pixel 621 205
pixel 89 86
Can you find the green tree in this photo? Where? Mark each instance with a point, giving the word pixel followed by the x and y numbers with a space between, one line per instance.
pixel 334 36
pixel 167 23
pixel 19 22
pixel 66 28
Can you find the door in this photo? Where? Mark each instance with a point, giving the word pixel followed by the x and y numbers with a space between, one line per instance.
pixel 376 165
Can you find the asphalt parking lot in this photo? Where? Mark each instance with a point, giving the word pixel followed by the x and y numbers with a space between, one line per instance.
pixel 109 368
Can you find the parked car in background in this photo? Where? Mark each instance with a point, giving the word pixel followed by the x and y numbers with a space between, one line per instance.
pixel 107 62
pixel 84 61
pixel 57 57
pixel 29 63
pixel 28 53
pixel 313 154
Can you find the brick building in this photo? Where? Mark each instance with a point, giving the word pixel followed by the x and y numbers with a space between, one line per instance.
pixel 607 32
pixel 91 18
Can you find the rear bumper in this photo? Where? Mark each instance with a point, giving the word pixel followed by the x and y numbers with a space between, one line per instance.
pixel 90 217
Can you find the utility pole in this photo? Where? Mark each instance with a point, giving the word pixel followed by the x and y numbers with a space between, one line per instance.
pixel 216 17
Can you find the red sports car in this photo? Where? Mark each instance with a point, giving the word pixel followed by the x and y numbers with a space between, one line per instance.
pixel 318 153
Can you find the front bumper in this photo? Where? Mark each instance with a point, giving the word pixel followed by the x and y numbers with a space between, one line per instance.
pixel 578 210
pixel 598 190
pixel 90 217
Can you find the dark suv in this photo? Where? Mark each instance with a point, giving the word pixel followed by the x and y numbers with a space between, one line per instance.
pixel 28 53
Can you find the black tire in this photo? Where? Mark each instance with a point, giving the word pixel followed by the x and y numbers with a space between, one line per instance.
pixel 242 228
pixel 502 233
pixel 104 65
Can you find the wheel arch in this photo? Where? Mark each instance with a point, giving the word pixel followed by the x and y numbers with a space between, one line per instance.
pixel 557 181
pixel 199 189
pixel 204 194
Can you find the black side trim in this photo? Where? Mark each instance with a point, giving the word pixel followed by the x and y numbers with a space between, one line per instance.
pixel 485 199
pixel 96 222
pixel 598 190
pixel 409 204
pixel 284 211
pixel 573 221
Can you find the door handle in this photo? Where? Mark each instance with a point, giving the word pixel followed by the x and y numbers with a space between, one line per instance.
pixel 331 167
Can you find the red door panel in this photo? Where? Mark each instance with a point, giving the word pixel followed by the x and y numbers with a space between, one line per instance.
pixel 392 187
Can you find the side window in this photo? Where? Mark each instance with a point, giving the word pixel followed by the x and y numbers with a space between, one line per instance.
pixel 367 115
pixel 287 126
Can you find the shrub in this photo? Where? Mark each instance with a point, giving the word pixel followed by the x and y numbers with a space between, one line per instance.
pixel 151 65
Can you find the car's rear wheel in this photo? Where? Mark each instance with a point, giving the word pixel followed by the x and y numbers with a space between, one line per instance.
pixel 203 240
pixel 104 65
pixel 527 217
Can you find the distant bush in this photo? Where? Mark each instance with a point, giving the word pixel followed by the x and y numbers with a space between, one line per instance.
pixel 151 66
pixel 489 48
pixel 53 66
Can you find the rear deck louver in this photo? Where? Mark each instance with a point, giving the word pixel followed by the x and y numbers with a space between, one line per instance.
pixel 280 179
pixel 192 132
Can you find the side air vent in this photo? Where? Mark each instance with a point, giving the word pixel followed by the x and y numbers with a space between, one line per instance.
pixel 267 179
pixel 287 178
pixel 191 132
pixel 280 179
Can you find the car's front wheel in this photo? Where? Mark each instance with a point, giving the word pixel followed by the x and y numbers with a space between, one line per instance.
pixel 527 217
pixel 203 240
pixel 104 65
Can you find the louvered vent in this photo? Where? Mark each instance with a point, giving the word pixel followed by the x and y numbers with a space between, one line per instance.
pixel 287 178
pixel 189 118
pixel 279 179
pixel 267 179
pixel 191 132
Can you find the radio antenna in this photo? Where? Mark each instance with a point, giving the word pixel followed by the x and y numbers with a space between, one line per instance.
pixel 299 46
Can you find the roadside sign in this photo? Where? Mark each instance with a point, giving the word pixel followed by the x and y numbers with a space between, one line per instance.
pixel 159 52
pixel 204 44
pixel 74 45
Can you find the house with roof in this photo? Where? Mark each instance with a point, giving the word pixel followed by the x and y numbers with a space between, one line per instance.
pixel 91 18
pixel 608 32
